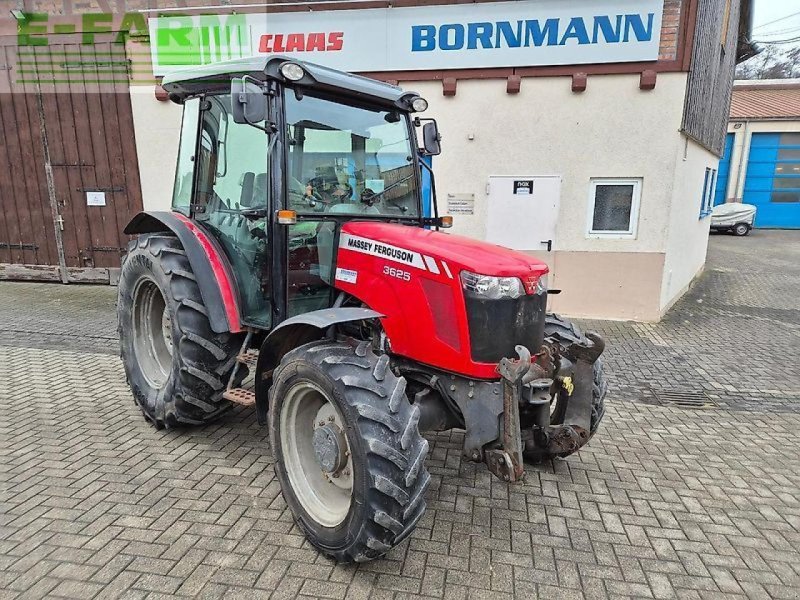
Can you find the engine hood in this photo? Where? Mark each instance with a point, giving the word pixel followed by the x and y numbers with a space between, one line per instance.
pixel 459 251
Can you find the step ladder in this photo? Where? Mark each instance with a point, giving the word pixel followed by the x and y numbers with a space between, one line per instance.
pixel 249 357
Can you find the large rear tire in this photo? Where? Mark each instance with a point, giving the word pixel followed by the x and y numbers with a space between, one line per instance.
pixel 176 365
pixel 349 455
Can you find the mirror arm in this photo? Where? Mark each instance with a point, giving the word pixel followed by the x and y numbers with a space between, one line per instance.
pixel 271 126
pixel 434 202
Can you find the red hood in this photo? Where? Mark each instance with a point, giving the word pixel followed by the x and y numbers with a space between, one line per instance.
pixel 463 252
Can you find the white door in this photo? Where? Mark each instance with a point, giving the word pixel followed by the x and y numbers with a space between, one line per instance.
pixel 522 211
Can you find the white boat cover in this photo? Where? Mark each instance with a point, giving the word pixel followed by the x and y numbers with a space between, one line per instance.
pixel 731 213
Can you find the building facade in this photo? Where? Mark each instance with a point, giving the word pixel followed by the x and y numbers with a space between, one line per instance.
pixel 584 140
pixel 761 163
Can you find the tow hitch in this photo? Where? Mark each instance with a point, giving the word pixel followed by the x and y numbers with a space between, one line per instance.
pixel 532 384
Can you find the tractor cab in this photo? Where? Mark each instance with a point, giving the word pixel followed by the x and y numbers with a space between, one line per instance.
pixel 275 154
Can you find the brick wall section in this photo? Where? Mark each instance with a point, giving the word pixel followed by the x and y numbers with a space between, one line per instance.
pixel 669 29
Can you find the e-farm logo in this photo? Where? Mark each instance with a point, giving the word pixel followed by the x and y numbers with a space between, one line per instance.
pixel 96 53
pixel 180 41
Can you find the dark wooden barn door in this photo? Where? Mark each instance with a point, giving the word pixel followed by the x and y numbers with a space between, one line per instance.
pixel 72 179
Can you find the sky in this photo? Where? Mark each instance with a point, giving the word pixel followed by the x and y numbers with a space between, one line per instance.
pixel 776 20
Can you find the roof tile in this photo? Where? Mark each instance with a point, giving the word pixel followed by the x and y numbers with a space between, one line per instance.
pixel 756 101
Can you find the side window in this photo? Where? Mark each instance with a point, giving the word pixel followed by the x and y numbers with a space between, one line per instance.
pixel 709 188
pixel 182 190
pixel 614 207
pixel 232 162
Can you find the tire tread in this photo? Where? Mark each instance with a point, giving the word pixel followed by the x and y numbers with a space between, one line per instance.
pixel 387 423
pixel 205 358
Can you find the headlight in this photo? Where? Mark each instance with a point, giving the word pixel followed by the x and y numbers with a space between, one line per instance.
pixel 419 105
pixel 292 71
pixel 492 288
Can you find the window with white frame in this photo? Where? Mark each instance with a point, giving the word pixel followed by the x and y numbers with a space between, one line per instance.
pixel 709 187
pixel 614 207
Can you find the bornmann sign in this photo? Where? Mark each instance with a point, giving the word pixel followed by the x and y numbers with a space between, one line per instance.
pixel 492 34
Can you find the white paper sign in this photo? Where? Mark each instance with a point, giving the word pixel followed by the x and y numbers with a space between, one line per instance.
pixel 461 204
pixel 95 198
pixel 346 275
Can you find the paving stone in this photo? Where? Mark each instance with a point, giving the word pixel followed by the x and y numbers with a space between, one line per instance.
pixel 664 502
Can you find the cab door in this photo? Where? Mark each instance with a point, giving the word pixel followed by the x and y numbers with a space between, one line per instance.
pixel 229 197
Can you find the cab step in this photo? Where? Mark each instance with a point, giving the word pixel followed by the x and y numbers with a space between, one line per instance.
pixel 240 396
pixel 249 358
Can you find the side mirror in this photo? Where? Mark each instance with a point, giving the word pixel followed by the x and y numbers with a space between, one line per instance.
pixel 248 102
pixel 431 139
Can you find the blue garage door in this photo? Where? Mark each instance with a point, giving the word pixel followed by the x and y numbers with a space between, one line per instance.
pixel 773 179
pixel 724 171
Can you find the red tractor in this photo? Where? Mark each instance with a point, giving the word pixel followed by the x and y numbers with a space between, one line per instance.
pixel 298 251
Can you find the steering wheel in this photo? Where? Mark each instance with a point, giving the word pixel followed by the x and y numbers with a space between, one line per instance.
pixel 369 197
pixel 313 197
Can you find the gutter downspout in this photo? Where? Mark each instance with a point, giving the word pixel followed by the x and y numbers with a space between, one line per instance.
pixel 742 167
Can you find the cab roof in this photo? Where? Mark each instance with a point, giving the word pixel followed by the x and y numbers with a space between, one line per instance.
pixel 217 76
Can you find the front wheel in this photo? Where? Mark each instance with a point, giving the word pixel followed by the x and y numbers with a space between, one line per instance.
pixel 741 229
pixel 349 455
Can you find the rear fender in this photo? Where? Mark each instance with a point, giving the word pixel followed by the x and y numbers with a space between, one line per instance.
pixel 209 264
pixel 295 332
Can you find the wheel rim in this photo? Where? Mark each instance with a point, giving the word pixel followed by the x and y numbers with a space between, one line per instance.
pixel 152 333
pixel 316 454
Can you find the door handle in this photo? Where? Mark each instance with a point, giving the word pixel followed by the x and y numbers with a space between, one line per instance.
pixel 549 244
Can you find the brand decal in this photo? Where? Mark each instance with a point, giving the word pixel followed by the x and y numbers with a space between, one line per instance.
pixel 614 29
pixel 387 251
pixel 346 275
pixel 301 42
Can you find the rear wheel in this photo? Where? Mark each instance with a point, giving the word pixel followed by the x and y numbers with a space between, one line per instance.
pixel 349 455
pixel 741 229
pixel 176 365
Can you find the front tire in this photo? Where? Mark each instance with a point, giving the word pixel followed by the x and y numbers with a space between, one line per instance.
pixel 349 455
pixel 741 229
pixel 176 365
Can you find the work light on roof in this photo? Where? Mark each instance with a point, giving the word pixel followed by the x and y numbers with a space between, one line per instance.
pixel 292 71
pixel 419 105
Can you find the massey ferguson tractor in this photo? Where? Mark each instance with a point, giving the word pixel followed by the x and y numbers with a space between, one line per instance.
pixel 299 272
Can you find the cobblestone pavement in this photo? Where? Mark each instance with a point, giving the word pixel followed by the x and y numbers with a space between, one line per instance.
pixel 666 501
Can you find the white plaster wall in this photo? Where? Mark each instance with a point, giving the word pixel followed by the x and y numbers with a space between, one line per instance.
pixel 741 149
pixel 687 234
pixel 613 129
pixel 157 126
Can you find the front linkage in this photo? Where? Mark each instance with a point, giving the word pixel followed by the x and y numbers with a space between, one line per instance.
pixel 524 399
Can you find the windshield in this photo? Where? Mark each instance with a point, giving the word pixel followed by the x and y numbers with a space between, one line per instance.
pixel 349 160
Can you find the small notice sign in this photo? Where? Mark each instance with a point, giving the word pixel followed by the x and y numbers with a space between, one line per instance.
pixel 523 187
pixel 95 198
pixel 346 275
pixel 461 204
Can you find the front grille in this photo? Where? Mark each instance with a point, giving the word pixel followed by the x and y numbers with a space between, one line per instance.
pixel 496 326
